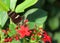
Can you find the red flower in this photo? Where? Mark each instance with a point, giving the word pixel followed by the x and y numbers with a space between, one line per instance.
pixel 26 21
pixel 46 38
pixel 39 34
pixel 23 31
pixel 33 35
pixel 33 38
pixel 4 31
pixel 8 39
pixel 34 31
pixel 17 38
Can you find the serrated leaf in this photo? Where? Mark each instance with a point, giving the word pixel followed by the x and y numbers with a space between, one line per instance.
pixel 54 23
pixel 27 3
pixel 3 18
pixel 12 4
pixel 39 17
pixel 4 6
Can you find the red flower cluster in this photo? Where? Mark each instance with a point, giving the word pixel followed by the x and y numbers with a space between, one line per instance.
pixel 26 21
pixel 4 31
pixel 16 37
pixel 23 31
pixel 35 34
pixel 46 38
pixel 8 39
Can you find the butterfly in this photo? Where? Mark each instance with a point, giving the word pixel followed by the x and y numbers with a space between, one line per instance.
pixel 15 17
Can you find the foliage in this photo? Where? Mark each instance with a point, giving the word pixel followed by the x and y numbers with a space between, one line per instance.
pixel 35 15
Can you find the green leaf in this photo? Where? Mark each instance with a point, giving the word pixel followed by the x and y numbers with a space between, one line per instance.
pixel 7 2
pixel 42 2
pixel 1 9
pixel 30 12
pixel 41 21
pixel 33 41
pixel 58 14
pixel 51 1
pixel 12 4
pixel 39 17
pixel 4 6
pixel 2 36
pixel 27 3
pixel 14 41
pixel 31 25
pixel 57 37
pixel 12 26
pixel 10 34
pixel 39 4
pixel 54 11
pixel 12 29
pixel 3 18
pixel 53 23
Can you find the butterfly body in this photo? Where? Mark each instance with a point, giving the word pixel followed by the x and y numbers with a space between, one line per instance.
pixel 16 18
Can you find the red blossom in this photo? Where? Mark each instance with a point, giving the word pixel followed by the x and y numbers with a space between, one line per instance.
pixel 26 21
pixel 33 35
pixel 4 31
pixel 17 38
pixel 46 38
pixel 7 39
pixel 16 27
pixel 39 34
pixel 33 38
pixel 34 30
pixel 23 31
